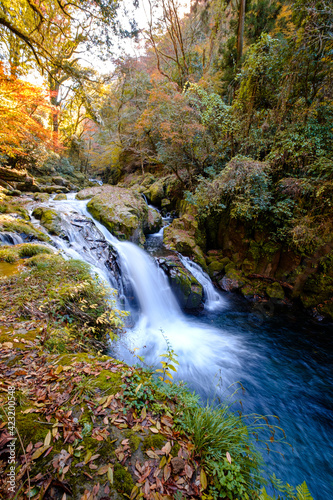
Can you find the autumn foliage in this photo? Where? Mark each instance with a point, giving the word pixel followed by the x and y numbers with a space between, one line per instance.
pixel 23 115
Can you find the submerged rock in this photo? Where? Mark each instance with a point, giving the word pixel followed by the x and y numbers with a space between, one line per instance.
pixel 121 210
pixel 185 286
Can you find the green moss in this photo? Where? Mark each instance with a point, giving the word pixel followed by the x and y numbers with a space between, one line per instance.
pixel 8 254
pixel 108 382
pixel 153 441
pixel 275 291
pixel 134 440
pixel 13 253
pixel 122 480
pixel 230 267
pixel 43 260
pixel 43 197
pixel 49 219
pixel 175 450
pixel 215 267
pixel 60 197
pixel 30 427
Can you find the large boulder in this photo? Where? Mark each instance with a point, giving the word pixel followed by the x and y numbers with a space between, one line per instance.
pixel 186 287
pixel 184 236
pixel 155 221
pixel 49 219
pixel 122 211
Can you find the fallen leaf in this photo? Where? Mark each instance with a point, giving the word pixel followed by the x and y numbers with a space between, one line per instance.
pixel 47 439
pixel 39 452
pixel 166 448
pixel 166 472
pixel 203 480
pixel 228 457
pixel 110 475
pixel 154 430
pixel 151 454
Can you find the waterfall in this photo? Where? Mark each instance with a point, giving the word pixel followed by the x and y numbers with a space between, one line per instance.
pixel 202 350
pixel 213 299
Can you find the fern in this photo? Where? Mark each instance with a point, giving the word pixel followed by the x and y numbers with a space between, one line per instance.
pixel 303 492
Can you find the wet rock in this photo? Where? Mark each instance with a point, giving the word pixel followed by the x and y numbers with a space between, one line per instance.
pixel 233 280
pixel 60 181
pixel 49 219
pixel 187 289
pixel 42 197
pixel 184 236
pixel 275 291
pixel 154 221
pixel 121 210
pixel 60 197
pixel 54 189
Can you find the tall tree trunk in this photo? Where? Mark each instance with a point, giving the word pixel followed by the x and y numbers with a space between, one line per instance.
pixel 240 31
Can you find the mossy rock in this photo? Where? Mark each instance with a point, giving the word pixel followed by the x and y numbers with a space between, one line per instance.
pixel 156 192
pixel 233 280
pixel 215 268
pixel 24 228
pixel 154 221
pixel 49 218
pixel 43 197
pixel 180 240
pixel 60 197
pixel 230 267
pixel 122 211
pixel 185 286
pixel 153 442
pixel 248 266
pixel 275 291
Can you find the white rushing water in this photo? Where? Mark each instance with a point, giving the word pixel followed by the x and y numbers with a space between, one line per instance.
pixel 213 299
pixel 202 350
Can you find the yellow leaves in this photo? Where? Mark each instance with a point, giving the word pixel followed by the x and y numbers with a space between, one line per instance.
pixel 203 480
pixel 110 475
pixel 47 439
pixel 39 452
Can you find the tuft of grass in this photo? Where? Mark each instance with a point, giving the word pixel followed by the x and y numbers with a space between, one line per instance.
pixel 9 253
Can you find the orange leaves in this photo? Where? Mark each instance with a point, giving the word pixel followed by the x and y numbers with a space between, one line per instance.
pixel 23 111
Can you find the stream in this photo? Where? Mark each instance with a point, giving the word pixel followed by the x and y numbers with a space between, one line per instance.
pixel 284 363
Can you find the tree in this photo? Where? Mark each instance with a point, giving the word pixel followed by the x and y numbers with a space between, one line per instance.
pixel 23 111
pixel 36 22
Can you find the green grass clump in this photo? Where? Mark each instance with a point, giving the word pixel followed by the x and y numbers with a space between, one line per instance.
pixel 9 253
pixel 32 249
pixel 222 439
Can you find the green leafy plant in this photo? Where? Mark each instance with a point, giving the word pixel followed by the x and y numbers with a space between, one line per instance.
pixel 170 360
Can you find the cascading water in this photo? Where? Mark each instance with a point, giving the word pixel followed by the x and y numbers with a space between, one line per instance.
pixel 213 299
pixel 10 239
pixel 285 366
